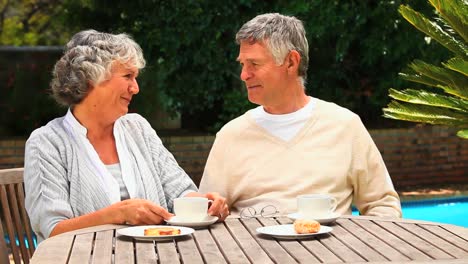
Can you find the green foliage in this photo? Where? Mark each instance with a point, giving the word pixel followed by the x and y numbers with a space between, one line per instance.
pixel 435 108
pixel 31 22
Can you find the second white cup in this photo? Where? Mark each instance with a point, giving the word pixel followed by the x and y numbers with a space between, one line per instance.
pixel 191 209
pixel 316 206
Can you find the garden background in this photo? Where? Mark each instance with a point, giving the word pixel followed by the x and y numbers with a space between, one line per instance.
pixel 191 84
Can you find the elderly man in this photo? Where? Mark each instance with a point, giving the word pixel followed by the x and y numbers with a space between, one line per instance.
pixel 293 144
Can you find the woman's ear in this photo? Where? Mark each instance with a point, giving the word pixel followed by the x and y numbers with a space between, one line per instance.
pixel 293 60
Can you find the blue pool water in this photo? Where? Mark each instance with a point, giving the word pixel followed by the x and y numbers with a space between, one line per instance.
pixel 446 210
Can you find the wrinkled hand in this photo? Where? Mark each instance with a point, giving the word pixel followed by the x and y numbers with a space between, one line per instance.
pixel 219 206
pixel 141 212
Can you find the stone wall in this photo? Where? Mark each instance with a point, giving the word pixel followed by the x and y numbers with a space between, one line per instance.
pixel 420 156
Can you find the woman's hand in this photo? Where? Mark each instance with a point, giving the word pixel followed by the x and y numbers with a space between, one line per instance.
pixel 141 212
pixel 219 206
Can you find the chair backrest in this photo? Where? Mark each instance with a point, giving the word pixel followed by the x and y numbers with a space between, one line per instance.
pixel 14 218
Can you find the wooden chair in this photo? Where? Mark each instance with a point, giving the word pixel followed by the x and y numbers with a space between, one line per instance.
pixel 14 218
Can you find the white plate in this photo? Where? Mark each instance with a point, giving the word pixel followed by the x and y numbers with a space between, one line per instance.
pixel 330 219
pixel 206 222
pixel 287 231
pixel 137 232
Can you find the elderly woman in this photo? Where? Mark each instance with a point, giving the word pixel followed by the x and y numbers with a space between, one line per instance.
pixel 98 164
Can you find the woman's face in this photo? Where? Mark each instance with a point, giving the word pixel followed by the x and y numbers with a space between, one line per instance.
pixel 110 98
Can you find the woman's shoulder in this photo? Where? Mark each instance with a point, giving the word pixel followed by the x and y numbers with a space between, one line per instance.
pixel 133 120
pixel 52 133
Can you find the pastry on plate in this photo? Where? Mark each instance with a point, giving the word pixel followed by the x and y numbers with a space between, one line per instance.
pixel 302 226
pixel 162 231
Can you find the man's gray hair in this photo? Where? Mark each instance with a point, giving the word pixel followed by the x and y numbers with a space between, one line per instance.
pixel 88 60
pixel 281 34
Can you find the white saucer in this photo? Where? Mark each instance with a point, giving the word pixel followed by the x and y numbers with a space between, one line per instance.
pixel 205 222
pixel 330 219
pixel 287 231
pixel 137 232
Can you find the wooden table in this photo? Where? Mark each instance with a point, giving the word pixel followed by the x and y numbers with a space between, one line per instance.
pixel 354 239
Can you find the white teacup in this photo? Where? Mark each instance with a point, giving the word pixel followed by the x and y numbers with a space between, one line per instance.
pixel 191 209
pixel 316 206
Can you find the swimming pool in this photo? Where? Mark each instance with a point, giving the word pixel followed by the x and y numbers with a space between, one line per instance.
pixel 452 210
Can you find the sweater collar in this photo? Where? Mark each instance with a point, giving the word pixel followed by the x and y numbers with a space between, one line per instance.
pixel 75 124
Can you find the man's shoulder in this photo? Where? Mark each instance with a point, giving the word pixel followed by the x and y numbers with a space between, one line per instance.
pixel 236 125
pixel 334 112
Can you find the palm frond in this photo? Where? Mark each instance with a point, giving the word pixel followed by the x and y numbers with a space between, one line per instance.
pixel 452 82
pixel 455 13
pixel 433 30
pixel 457 64
pixel 424 114
pixel 463 133
pixel 416 77
pixel 432 99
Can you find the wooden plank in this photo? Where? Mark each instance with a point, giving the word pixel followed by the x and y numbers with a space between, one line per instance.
pixel 358 246
pixel 371 240
pixel 82 248
pixel 245 240
pixel 208 247
pixel 227 244
pixel 18 224
pixel 448 236
pixel 145 252
pixel 414 240
pixel 295 249
pixel 338 248
pixel 271 246
pixel 11 176
pixel 124 250
pixel 53 250
pixel 188 250
pixel 167 252
pixel 317 249
pixel 436 241
pixel 458 230
pixel 15 251
pixel 3 248
pixel 103 244
pixel 392 240
pixel 25 218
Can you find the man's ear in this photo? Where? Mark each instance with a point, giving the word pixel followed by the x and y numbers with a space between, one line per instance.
pixel 293 60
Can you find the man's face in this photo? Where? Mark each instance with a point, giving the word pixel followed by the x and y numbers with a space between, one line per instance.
pixel 264 79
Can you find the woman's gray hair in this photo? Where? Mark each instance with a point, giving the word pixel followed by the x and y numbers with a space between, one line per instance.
pixel 88 60
pixel 281 34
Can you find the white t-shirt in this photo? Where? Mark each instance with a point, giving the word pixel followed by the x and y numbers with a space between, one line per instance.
pixel 284 126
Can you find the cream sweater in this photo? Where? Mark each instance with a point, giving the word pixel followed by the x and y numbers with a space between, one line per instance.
pixel 333 153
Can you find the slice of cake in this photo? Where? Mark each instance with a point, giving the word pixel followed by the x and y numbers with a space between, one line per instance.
pixel 162 231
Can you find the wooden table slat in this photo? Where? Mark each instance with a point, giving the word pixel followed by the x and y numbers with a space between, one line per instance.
pixel 436 241
pixel 167 252
pixel 392 240
pixel 103 245
pixel 339 249
pixel 448 236
pixel 294 248
pixel 188 250
pixel 357 245
pixel 414 240
pixel 208 247
pixel 276 252
pixel 82 247
pixel 250 246
pixel 57 250
pixel 124 250
pixel 231 250
pixel 145 252
pixel 458 230
pixel 371 240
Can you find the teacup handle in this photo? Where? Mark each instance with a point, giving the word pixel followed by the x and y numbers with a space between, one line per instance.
pixel 333 205
pixel 209 203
